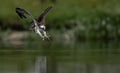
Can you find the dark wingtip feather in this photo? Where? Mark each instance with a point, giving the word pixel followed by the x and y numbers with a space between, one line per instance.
pixel 21 12
pixel 41 17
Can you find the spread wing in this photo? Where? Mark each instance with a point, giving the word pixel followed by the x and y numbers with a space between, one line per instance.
pixel 21 12
pixel 41 17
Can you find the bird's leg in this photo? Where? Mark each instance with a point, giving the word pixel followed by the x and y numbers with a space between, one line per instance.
pixel 45 35
pixel 40 34
pixel 38 31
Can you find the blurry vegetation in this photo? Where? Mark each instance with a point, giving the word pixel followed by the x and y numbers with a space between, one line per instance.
pixel 74 20
pixel 79 29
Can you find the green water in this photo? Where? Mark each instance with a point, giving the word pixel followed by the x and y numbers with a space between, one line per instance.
pixel 85 57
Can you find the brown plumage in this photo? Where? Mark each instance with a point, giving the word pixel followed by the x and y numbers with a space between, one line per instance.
pixel 41 20
pixel 41 17
pixel 39 24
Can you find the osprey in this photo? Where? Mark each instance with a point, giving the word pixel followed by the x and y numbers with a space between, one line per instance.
pixel 39 24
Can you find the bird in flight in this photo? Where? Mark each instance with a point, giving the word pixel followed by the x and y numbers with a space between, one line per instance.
pixel 38 25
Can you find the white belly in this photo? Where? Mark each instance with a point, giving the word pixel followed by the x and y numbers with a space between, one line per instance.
pixel 39 32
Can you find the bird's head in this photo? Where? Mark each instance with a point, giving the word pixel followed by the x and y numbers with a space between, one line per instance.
pixel 42 27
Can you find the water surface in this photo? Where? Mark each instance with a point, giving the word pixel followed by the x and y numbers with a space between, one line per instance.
pixel 86 57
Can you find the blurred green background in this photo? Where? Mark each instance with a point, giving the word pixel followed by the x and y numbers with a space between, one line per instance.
pixel 84 36
pixel 72 24
pixel 69 23
pixel 85 19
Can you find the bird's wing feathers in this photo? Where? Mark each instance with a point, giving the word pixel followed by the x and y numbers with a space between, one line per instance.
pixel 41 17
pixel 21 12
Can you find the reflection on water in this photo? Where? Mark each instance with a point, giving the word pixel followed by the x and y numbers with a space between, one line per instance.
pixel 11 64
pixel 87 57
pixel 26 64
